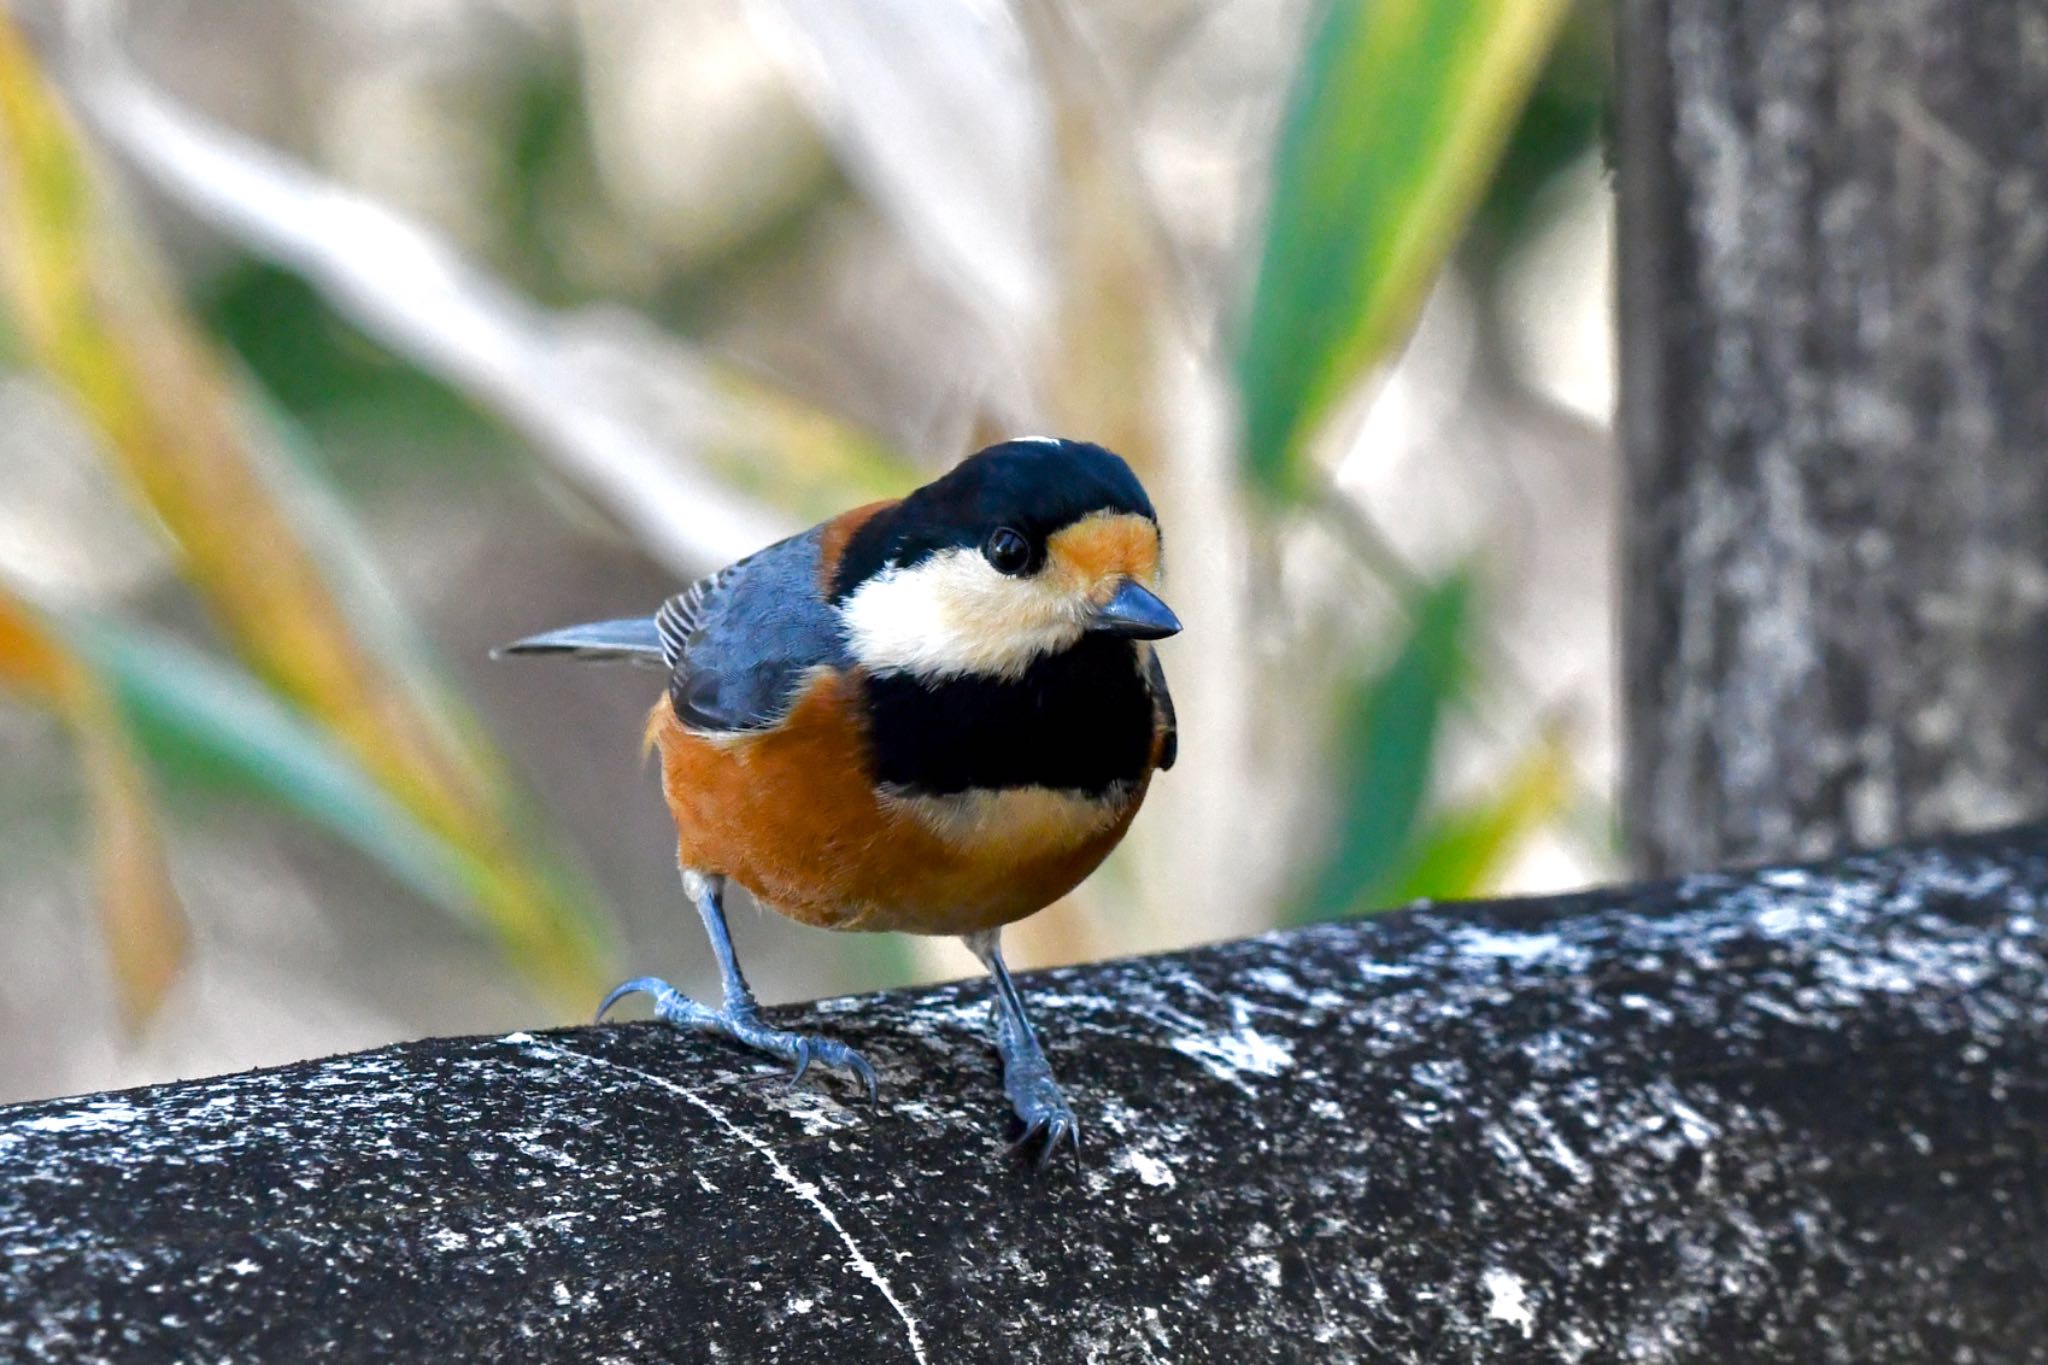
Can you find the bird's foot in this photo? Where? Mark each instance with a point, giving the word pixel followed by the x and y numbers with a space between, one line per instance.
pixel 1048 1121
pixel 741 1024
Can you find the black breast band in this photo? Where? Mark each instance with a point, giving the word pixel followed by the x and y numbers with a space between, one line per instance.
pixel 1080 720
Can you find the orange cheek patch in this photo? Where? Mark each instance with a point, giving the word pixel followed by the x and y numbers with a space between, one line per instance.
pixel 1101 548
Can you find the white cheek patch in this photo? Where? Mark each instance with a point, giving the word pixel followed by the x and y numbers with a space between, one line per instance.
pixel 955 613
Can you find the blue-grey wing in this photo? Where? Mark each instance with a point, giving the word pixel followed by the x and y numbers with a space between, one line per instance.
pixel 740 642
pixel 1162 705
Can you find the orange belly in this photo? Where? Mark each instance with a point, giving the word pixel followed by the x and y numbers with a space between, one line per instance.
pixel 791 815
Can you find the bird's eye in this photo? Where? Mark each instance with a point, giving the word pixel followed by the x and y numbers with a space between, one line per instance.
pixel 1008 550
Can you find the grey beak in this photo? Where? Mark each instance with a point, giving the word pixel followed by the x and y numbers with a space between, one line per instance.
pixel 1135 613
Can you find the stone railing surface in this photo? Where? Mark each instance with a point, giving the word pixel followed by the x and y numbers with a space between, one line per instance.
pixel 1797 1114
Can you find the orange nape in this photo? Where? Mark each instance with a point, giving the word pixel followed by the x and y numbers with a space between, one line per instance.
pixel 834 534
pixel 790 814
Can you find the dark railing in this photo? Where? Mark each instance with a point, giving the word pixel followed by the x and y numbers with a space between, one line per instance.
pixel 1834 340
pixel 1793 1115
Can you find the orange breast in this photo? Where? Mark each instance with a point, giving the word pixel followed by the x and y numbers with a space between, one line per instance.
pixel 790 815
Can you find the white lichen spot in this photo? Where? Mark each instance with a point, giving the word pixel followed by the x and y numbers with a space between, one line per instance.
pixel 1508 1301
pixel 244 1267
pixel 100 1116
pixel 1150 1169
pixel 447 1239
pixel 816 1112
pixel 1655 1010
pixel 1274 981
pixel 1790 921
pixel 1508 945
pixel 1231 1056
pixel 1699 1130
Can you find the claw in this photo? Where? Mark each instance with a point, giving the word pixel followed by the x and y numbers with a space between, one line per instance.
pixel 651 985
pixel 827 1052
pixel 844 1057
pixel 1053 1130
pixel 859 1066
pixel 739 1022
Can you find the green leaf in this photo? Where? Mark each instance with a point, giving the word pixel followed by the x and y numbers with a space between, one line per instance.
pixel 1397 116
pixel 198 720
pixel 1387 753
pixel 1559 124
pixel 1460 852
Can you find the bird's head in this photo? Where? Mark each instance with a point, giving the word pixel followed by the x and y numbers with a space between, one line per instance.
pixel 1018 552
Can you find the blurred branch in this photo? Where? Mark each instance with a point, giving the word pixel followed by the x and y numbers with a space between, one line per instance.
pixel 1122 297
pixel 940 115
pixel 618 405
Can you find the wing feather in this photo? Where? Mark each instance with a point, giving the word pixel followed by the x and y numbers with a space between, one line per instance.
pixel 1162 701
pixel 739 642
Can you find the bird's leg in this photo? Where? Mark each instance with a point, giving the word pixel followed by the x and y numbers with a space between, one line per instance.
pixel 1027 1077
pixel 739 1018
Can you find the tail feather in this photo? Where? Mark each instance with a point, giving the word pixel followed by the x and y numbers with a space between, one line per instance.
pixel 635 640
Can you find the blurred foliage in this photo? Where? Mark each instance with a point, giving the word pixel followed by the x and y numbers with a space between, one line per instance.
pixel 336 381
pixel 545 147
pixel 793 454
pixel 1560 124
pixel 1390 847
pixel 140 920
pixel 205 726
pixel 1384 754
pixel 1404 118
pixel 1398 113
pixel 1407 120
pixel 1459 852
pixel 95 316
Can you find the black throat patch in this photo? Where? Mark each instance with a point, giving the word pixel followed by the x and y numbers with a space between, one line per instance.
pixel 1080 720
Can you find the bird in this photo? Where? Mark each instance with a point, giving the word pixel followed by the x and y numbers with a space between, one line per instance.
pixel 931 715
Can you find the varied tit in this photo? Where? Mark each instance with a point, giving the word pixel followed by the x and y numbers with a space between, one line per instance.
pixel 935 715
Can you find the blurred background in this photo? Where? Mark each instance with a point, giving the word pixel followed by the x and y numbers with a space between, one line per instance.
pixel 340 343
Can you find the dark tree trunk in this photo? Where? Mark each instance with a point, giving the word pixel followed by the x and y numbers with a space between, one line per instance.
pixel 1788 1116
pixel 1834 306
